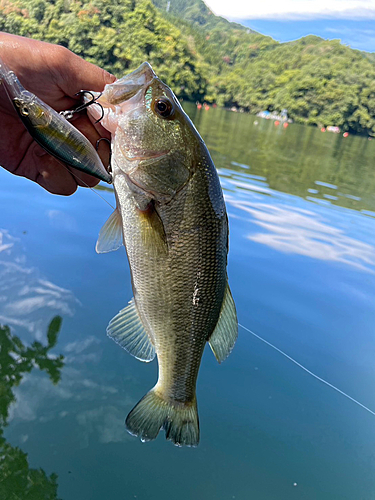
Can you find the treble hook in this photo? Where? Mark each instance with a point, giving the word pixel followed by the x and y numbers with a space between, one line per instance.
pixel 110 150
pixel 70 113
pixel 86 104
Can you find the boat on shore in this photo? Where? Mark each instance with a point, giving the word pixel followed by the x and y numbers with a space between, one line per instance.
pixel 271 115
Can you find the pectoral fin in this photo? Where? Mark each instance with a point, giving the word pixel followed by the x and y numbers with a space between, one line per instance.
pixel 225 334
pixel 127 330
pixel 110 236
pixel 152 230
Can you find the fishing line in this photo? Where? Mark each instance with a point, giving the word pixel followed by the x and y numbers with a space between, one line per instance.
pixel 92 189
pixel 308 371
pixel 266 341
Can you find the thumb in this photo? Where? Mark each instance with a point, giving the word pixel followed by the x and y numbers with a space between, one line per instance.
pixel 79 74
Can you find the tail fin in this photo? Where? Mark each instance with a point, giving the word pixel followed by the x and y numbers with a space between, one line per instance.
pixel 180 420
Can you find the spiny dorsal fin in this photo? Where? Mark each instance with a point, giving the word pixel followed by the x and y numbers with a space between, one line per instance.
pixel 126 329
pixel 110 236
pixel 225 334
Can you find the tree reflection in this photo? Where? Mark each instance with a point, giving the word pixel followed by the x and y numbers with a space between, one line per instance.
pixel 291 159
pixel 17 480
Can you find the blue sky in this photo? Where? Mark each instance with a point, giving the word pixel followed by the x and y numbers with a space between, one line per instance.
pixel 358 34
pixel 351 21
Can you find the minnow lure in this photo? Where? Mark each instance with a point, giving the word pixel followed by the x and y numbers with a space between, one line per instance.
pixel 51 130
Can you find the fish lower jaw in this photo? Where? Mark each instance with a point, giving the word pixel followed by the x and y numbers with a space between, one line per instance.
pixel 106 115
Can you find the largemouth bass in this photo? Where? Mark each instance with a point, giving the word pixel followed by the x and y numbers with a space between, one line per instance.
pixel 172 219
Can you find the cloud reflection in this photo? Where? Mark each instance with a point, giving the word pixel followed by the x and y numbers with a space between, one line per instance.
pixel 62 220
pixel 5 242
pixel 97 408
pixel 106 423
pixel 27 299
pixel 79 346
pixel 290 229
pixel 94 406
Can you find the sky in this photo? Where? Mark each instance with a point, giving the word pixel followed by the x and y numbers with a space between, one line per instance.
pixel 351 21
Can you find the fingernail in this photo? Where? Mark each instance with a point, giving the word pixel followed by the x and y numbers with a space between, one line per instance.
pixel 111 77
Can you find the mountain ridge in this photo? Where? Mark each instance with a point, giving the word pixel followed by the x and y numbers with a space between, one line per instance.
pixel 203 57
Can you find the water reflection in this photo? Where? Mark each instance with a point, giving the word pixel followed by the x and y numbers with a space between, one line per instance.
pixel 294 160
pixel 104 424
pixel 295 230
pixel 62 220
pixel 27 297
pixel 299 267
pixel 17 479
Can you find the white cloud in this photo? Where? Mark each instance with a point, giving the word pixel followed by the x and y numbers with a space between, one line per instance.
pixel 293 9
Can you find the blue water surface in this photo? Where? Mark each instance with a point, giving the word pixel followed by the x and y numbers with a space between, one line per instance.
pixel 301 208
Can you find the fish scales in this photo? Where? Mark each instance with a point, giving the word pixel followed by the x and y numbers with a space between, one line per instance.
pixel 172 215
pixel 189 292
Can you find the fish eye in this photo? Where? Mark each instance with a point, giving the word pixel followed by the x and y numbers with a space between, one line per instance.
pixel 22 108
pixel 163 107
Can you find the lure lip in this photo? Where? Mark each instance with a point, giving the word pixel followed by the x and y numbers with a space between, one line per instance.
pixel 12 85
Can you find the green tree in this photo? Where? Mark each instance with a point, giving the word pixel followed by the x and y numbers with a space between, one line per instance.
pixel 204 57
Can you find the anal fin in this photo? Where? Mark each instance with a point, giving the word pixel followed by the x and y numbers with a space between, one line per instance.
pixel 225 334
pixel 126 329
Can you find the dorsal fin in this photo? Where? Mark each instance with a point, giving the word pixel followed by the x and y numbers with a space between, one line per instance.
pixel 127 330
pixel 225 334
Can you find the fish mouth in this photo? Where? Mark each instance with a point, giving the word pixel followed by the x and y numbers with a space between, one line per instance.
pixel 127 87
pixel 121 96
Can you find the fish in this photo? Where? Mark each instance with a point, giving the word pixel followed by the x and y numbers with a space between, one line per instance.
pixel 171 216
pixel 51 130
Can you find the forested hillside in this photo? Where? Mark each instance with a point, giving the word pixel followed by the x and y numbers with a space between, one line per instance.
pixel 204 57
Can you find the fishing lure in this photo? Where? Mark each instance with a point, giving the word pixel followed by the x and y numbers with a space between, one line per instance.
pixel 51 130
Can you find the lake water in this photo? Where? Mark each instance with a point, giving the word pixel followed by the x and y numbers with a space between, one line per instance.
pixel 301 205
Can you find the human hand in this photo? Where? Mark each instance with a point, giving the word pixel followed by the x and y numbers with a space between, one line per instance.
pixel 55 75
